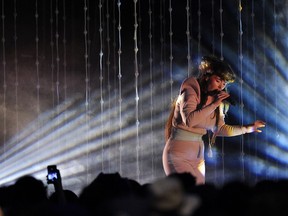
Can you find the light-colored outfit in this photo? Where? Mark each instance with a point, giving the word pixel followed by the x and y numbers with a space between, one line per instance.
pixel 184 150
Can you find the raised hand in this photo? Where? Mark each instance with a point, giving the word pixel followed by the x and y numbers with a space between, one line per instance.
pixel 254 127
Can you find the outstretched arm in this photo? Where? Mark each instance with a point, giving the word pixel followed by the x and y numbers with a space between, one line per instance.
pixel 235 130
pixel 255 126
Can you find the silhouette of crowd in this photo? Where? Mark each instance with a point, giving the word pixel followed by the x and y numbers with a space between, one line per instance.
pixel 176 194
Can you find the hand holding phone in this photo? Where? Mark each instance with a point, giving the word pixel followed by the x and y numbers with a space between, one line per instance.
pixel 53 175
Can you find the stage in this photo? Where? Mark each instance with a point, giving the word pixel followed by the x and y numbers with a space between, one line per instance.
pixel 87 85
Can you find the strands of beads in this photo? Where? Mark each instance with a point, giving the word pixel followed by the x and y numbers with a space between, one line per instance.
pixel 4 78
pixel 52 51
pixel 108 65
pixel 199 28
pixel 114 49
pixel 150 36
pixel 275 76
pixel 221 56
pixel 188 37
pixel 162 46
pixel 254 72
pixel 57 52
pixel 16 69
pixel 88 71
pixel 64 51
pixel 37 70
pixel 140 67
pixel 86 59
pixel 89 117
pixel 265 63
pixel 120 84
pixel 114 71
pixel 101 77
pixel 37 56
pixel 213 25
pixel 213 52
pixel 171 50
pixel 221 30
pixel 242 153
pixel 140 59
pixel 136 89
pixel 64 42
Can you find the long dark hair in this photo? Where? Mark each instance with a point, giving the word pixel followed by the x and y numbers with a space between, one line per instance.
pixel 168 125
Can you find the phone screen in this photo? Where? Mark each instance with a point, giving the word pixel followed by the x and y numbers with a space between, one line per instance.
pixel 52 175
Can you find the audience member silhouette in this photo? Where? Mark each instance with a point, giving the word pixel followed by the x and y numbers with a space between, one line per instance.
pixel 171 196
pixel 70 197
pixel 269 198
pixel 176 194
pixel 28 197
pixel 101 197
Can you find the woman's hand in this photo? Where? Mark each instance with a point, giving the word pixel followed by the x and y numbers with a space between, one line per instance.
pixel 255 126
pixel 222 95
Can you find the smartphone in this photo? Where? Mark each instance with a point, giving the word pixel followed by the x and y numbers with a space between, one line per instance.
pixel 53 174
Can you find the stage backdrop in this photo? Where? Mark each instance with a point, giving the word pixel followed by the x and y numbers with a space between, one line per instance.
pixel 87 85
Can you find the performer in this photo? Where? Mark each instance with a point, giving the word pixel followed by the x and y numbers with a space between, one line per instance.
pixel 200 107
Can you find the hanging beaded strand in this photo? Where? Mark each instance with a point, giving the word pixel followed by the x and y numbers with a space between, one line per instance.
pixel 16 70
pixel 162 48
pixel 57 81
pixel 120 84
pixel 150 35
pixel 171 50
pixel 136 90
pixel 266 77
pixel 221 30
pixel 275 40
pixel 213 25
pixel 211 136
pixel 242 154
pixel 4 79
pixel 199 28
pixel 86 54
pixel 140 42
pixel 101 80
pixel 161 23
pixel 114 56
pixel 57 53
pixel 188 38
pixel 221 57
pixel 37 69
pixel 213 52
pixel 37 56
pixel 52 52
pixel 86 59
pixel 114 29
pixel 210 152
pixel 254 75
pixel 108 69
pixel 140 79
pixel 64 41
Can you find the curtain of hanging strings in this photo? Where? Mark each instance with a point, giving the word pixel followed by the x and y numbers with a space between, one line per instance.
pixel 88 85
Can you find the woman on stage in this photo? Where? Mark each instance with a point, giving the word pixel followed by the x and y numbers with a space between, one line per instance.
pixel 200 107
